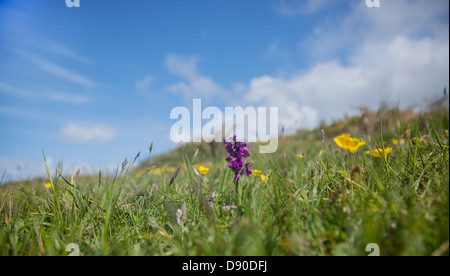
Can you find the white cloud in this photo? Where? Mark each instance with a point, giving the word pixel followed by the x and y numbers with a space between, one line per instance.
pixel 407 71
pixel 397 53
pixel 182 66
pixel 400 17
pixel 195 85
pixel 97 134
pixel 344 34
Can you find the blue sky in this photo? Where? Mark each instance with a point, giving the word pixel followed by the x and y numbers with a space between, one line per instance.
pixel 95 84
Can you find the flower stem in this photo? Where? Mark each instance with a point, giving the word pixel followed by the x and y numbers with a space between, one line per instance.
pixel 237 193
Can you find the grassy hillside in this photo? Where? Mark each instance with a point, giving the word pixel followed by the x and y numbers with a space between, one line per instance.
pixel 327 201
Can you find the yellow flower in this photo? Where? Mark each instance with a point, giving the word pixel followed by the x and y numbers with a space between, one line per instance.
pixel 300 156
pixel 380 152
pixel 264 178
pixel 396 142
pixel 256 172
pixel 350 144
pixel 203 170
pixel 48 185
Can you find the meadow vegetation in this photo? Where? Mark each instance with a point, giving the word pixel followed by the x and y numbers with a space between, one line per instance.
pixel 313 196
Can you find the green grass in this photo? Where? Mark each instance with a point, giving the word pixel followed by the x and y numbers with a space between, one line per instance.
pixel 331 202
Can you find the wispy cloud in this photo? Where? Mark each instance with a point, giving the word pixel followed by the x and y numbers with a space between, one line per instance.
pixel 67 98
pixel 59 49
pixel 42 94
pixel 97 134
pixel 143 85
pixel 291 8
pixel 59 71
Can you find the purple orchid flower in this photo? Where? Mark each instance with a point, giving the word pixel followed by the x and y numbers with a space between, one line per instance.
pixel 238 151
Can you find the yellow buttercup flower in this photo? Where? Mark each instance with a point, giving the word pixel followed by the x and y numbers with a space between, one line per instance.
pixel 396 142
pixel 203 170
pixel 300 156
pixel 48 185
pixel 256 172
pixel 350 144
pixel 380 152
pixel 264 178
